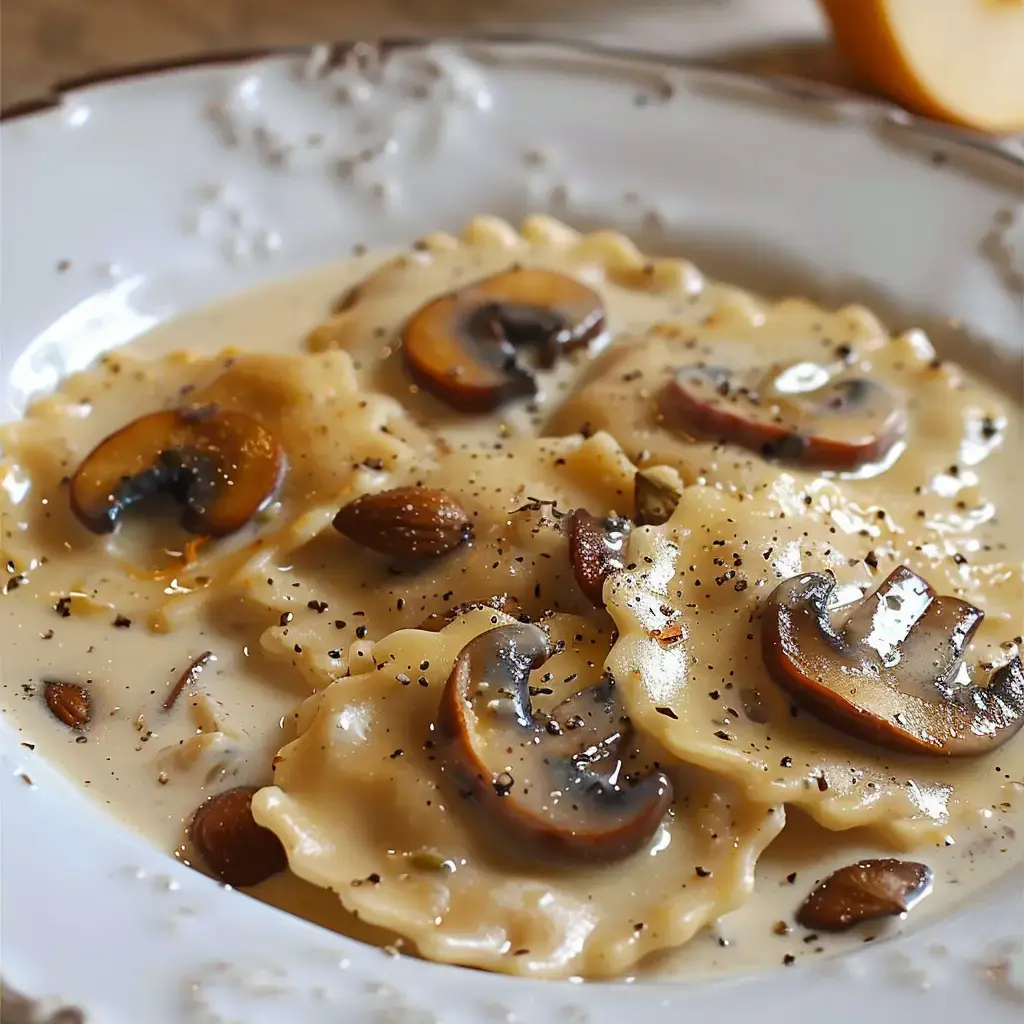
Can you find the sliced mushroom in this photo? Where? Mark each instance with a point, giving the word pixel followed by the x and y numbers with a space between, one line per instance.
pixel 865 891
pixel 221 466
pixel 596 546
pixel 841 424
pixel 462 347
pixel 659 489
pixel 557 782
pixel 894 675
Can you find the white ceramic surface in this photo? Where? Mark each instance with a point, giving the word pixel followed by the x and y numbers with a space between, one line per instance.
pixel 136 200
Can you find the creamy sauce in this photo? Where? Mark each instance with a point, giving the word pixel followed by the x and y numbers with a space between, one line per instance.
pixel 288 608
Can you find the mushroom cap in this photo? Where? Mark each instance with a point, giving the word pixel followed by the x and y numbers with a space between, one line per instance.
pixel 556 782
pixel 222 466
pixel 893 675
pixel 463 347
pixel 841 424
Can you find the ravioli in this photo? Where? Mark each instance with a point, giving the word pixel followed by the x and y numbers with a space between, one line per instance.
pixel 330 431
pixel 294 610
pixel 699 686
pixel 364 809
pixel 933 474
pixel 631 286
pixel 516 493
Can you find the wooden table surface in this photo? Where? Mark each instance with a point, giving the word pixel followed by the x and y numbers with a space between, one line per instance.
pixel 45 41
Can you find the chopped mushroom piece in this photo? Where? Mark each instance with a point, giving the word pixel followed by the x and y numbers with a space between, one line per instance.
pixel 891 676
pixel 221 466
pixel 864 891
pixel 463 347
pixel 556 781
pixel 841 424
pixel 659 489
pixel 596 546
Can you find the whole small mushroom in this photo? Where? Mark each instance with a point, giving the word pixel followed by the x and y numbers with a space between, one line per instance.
pixel 557 783
pixel 891 675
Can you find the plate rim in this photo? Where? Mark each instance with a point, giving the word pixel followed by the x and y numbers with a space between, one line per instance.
pixel 796 87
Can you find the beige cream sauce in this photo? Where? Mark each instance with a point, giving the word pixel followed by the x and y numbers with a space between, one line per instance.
pixel 145 765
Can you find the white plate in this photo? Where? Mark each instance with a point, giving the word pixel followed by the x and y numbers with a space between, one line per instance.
pixel 134 201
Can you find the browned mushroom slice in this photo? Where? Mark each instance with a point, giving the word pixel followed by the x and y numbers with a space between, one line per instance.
pixel 462 347
pixel 842 425
pixel 892 676
pixel 596 546
pixel 865 891
pixel 558 782
pixel 221 466
pixel 659 489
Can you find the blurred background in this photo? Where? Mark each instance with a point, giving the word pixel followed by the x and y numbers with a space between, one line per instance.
pixel 958 60
pixel 45 41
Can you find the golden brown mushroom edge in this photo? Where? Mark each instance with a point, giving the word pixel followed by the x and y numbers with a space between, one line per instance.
pixel 221 466
pixel 841 425
pixel 891 675
pixel 463 347
pixel 559 783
